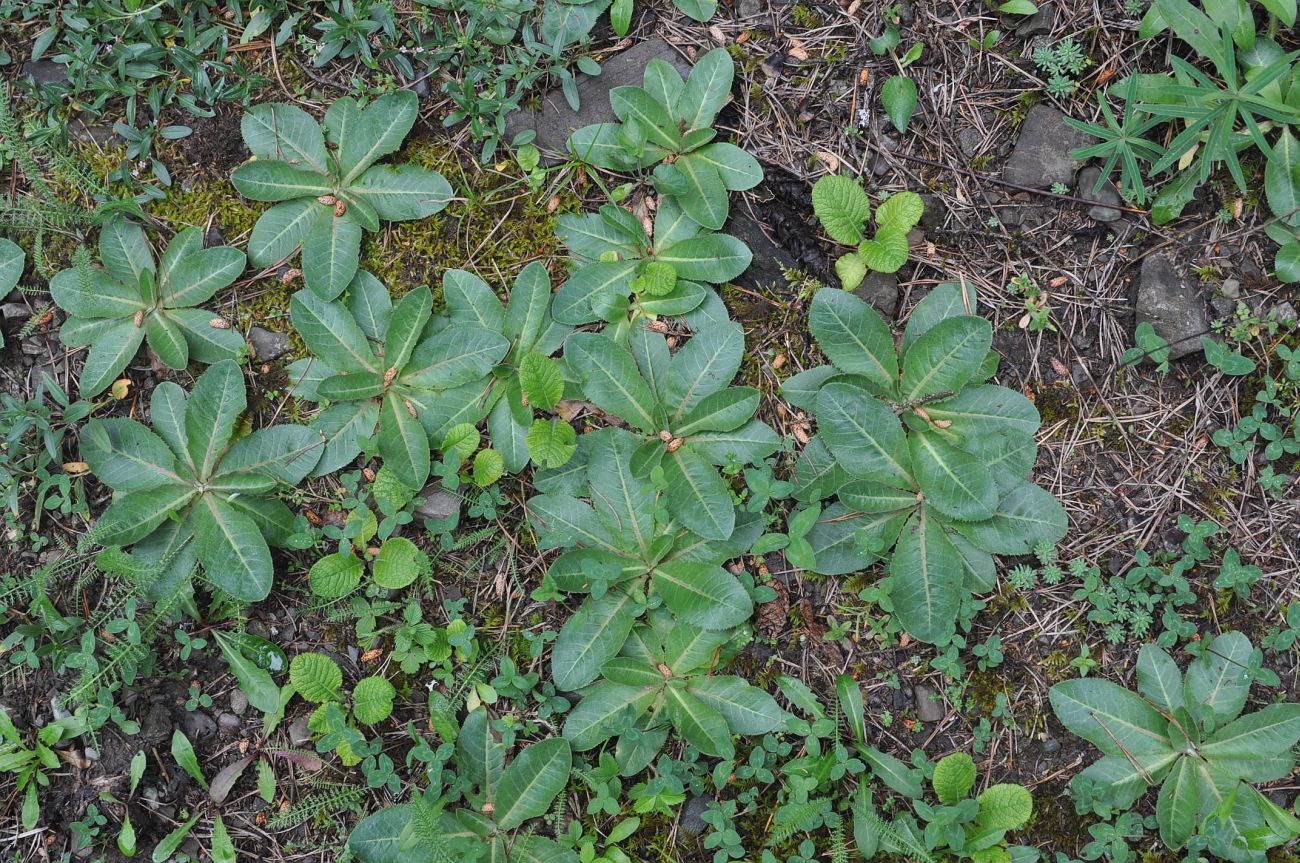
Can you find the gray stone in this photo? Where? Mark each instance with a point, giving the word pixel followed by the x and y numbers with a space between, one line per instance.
pixel 769 258
pixel 1038 24
pixel 692 821
pixel 228 722
pixel 438 503
pixel 15 312
pixel 936 211
pixel 1284 312
pixel 268 345
pixel 46 71
pixel 1042 153
pixel 299 733
pixel 554 120
pixel 1107 195
pixel 881 291
pixel 238 702
pixel 1170 306
pixel 1222 306
pixel 969 140
pixel 1231 288
pixel 198 725
pixel 929 708
pixel 1051 744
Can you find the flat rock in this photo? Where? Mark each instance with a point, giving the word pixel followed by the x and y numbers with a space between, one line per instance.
pixel 554 120
pixel 198 725
pixel 929 707
pixel 46 71
pixel 437 503
pixel 881 291
pixel 1171 306
pixel 692 820
pixel 1040 23
pixel 769 259
pixel 268 345
pixel 1108 196
pixel 1042 153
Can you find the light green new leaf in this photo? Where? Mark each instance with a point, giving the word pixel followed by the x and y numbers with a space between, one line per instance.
pixel 1005 807
pixel 315 677
pixel 842 207
pixel 399 562
pixel 954 776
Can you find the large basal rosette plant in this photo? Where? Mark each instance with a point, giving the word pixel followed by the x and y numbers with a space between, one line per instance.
pixel 189 492
pixel 927 462
pixel 326 186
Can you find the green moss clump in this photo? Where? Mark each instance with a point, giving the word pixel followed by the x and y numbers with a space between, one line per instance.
pixel 806 17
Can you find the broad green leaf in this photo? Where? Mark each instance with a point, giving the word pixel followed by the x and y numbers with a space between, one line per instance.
pixel 925 580
pixel 456 356
pixel 706 364
pixel 587 286
pixel 701 725
pixel 747 709
pixel 1128 777
pixel 1273 730
pixel 842 207
pixel 287 133
pixel 864 434
pixel 12 260
pixel 714 258
pixel 698 496
pixel 315 677
pixel 899 97
pixel 342 425
pixel 851 269
pixel 945 357
pixel 1159 679
pixel 211 412
pixel 1282 178
pixel 702 595
pixel 335 575
pixel 1110 717
pixel 403 442
pixel 801 389
pixel 351 387
pixel 232 550
pixel 403 192
pixel 124 251
pixel 532 781
pixel 749 444
pixel 167 341
pixel 1220 680
pixel 982 409
pixel 384 124
pixel 1005 807
pixel 210 339
pixel 954 482
pixel 95 294
pixel 541 381
pixel 722 411
pixel 954 777
pixel 113 348
pixel 947 300
pixel 281 230
pixel 699 189
pixel 273 180
pixel 564 521
pixel 285 453
pixel 1026 516
pixel 134 515
pixel 1287 263
pixel 167 413
pixel 330 252
pixel 633 104
pixel 199 274
pixel 370 305
pixel 479 754
pixel 709 84
pixel 894 773
pixel 900 211
pixel 590 638
pixel 405 326
pixel 550 442
pixel 183 754
pixel 855 338
pixel 372 700
pixel 471 300
pixel 663 81
pixel 595 718
pixel 379 838
pixel 126 456
pixel 399 563
pixel 611 380
pixel 1177 805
